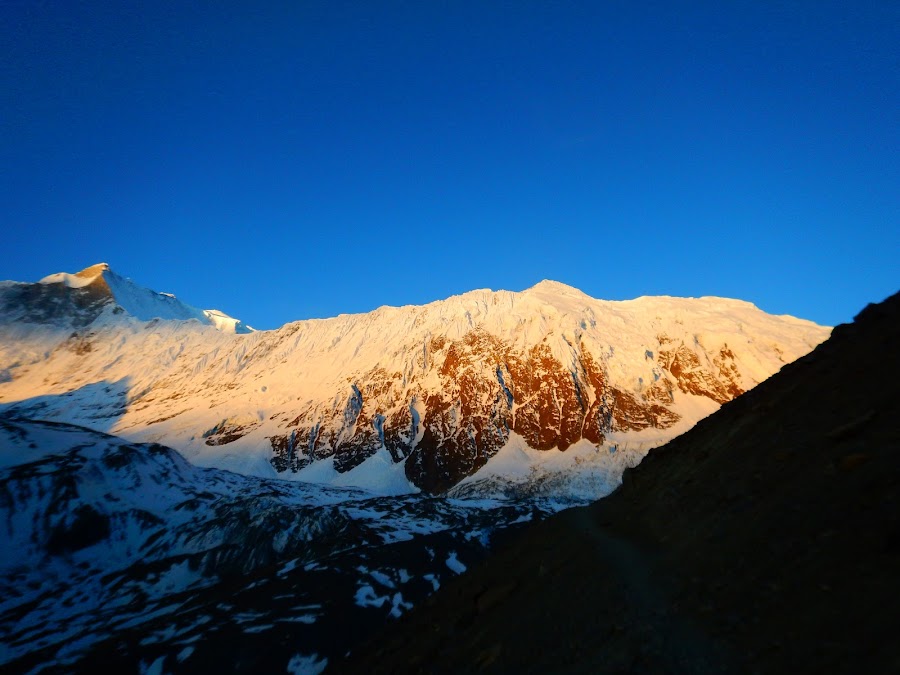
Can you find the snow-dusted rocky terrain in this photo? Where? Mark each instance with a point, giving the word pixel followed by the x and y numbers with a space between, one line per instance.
pixel 126 553
pixel 545 384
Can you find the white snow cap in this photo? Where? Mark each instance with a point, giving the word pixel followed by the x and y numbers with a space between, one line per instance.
pixel 145 304
pixel 79 279
pixel 554 287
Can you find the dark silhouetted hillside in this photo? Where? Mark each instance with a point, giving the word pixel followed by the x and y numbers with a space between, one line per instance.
pixel 766 539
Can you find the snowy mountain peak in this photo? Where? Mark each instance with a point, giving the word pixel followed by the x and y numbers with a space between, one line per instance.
pixel 548 286
pixel 94 270
pixel 79 299
pixel 225 323
pixel 79 279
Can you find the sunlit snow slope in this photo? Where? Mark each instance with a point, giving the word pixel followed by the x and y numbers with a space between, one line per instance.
pixel 401 398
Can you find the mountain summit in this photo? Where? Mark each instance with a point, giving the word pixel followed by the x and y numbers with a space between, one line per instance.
pixel 79 299
pixel 484 393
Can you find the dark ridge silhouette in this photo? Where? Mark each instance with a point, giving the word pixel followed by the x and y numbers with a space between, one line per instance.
pixel 766 539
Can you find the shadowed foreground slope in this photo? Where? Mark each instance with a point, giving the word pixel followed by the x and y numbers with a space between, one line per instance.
pixel 766 539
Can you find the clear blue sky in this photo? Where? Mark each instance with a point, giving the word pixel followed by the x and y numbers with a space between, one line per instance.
pixel 289 160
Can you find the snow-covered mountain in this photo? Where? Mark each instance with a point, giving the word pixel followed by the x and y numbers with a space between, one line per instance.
pixel 79 299
pixel 120 553
pixel 546 389
pixel 127 555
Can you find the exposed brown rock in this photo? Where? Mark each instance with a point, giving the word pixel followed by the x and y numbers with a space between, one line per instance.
pixel 227 431
pixel 488 389
pixel 692 377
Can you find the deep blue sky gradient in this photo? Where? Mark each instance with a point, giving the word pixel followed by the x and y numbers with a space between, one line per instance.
pixel 303 159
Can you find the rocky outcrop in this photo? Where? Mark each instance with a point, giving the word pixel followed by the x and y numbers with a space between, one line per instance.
pixel 472 392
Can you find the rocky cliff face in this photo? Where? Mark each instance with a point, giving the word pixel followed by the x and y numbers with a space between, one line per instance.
pixel 447 422
pixel 423 396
